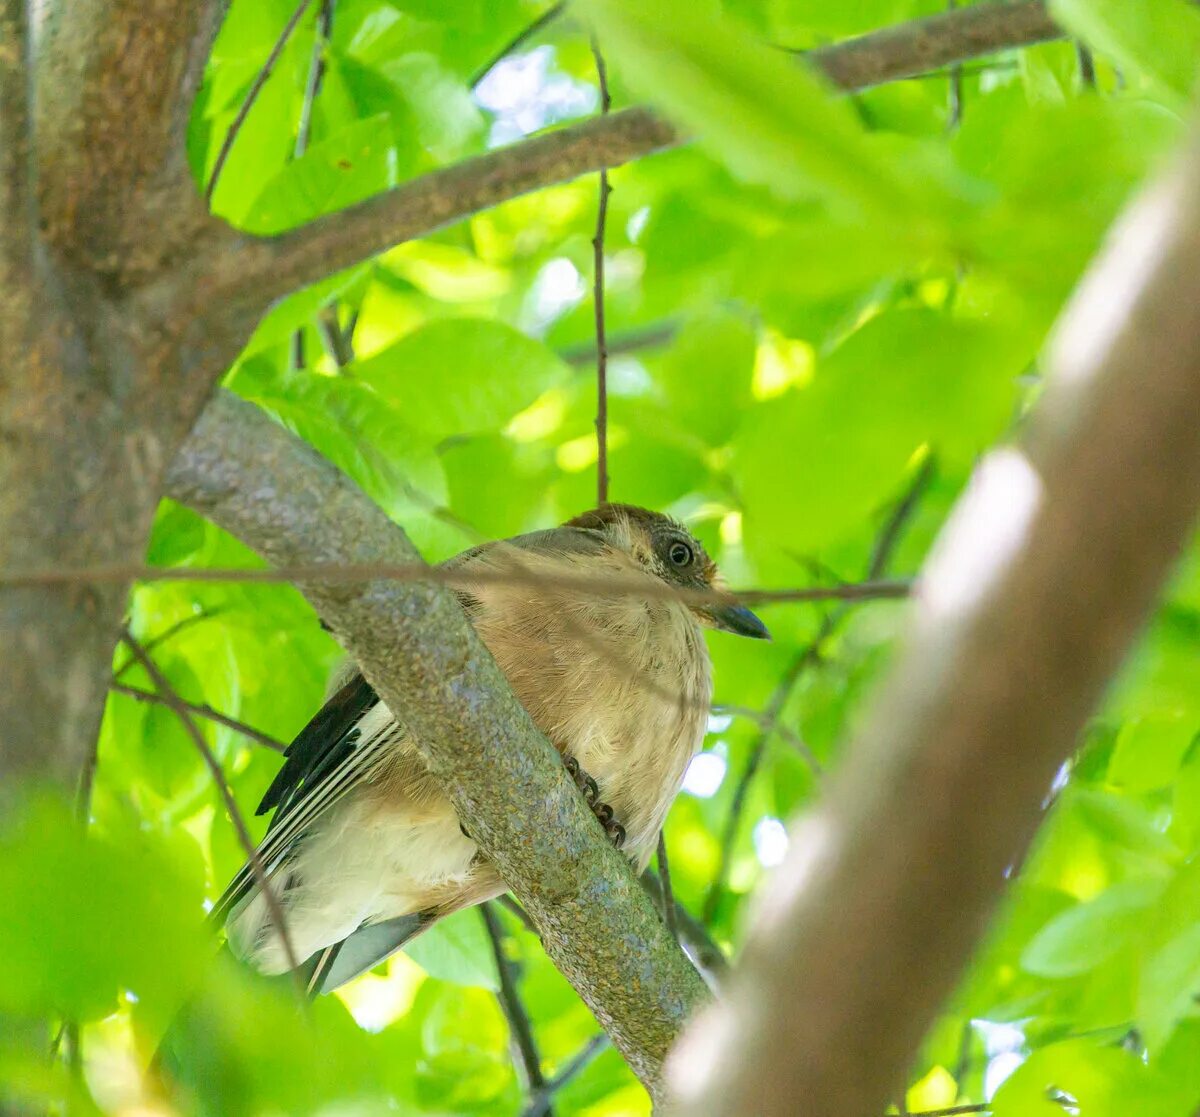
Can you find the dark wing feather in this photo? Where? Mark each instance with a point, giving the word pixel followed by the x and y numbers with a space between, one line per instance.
pixel 365 949
pixel 311 753
pixel 321 766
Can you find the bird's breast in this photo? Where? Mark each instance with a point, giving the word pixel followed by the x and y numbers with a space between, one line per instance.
pixel 621 684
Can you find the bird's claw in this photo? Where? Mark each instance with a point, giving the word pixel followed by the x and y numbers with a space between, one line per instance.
pixel 585 783
pixel 591 792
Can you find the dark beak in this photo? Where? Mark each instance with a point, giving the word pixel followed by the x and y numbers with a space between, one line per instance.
pixel 738 620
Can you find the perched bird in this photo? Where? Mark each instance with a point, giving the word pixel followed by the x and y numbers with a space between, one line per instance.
pixel 364 851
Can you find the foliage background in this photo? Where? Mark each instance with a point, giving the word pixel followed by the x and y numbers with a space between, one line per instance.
pixel 823 308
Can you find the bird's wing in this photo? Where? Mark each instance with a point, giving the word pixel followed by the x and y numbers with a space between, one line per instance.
pixel 364 950
pixel 333 753
pixel 327 759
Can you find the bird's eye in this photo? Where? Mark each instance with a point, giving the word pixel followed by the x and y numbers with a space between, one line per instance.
pixel 680 553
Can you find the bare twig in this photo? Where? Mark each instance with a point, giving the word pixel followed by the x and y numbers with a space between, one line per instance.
pixel 760 717
pixel 517 41
pixel 316 71
pixel 312 85
pixel 954 107
pixel 351 573
pixel 260 79
pixel 519 1027
pixel 168 633
pixel 1087 66
pixel 338 341
pixel 256 272
pixel 651 337
pixel 952 1111
pixel 1015 636
pixel 539 1106
pixel 668 894
pixel 261 878
pixel 693 934
pixel 509 904
pixel 770 718
pixel 598 298
pixel 202 709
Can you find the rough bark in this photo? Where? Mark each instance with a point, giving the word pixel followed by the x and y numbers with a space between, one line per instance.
pixel 421 654
pixel 942 40
pixel 115 83
pixel 1041 581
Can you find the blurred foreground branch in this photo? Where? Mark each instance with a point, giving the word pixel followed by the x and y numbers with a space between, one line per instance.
pixel 1033 594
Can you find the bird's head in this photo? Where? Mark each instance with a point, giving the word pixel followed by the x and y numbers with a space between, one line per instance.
pixel 669 551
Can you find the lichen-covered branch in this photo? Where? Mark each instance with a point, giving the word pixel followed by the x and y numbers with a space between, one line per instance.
pixel 1038 586
pixel 246 268
pixel 417 648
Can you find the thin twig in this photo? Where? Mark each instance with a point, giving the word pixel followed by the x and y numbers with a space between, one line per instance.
pixel 598 298
pixel 709 958
pixel 1087 66
pixel 668 893
pixel 510 904
pixel 517 41
pixel 539 1105
pixel 312 85
pixel 348 573
pixel 955 92
pixel 316 71
pixel 631 341
pixel 770 717
pixel 339 342
pixel 785 731
pixel 509 996
pixel 255 89
pixel 171 697
pixel 168 633
pixel 202 709
pixel 952 1111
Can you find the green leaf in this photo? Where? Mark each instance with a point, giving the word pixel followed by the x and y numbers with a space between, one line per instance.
pixel 1085 936
pixel 813 464
pixel 767 117
pixel 332 175
pixel 1099 1079
pixel 457 949
pixel 462 375
pixel 89 917
pixel 706 374
pixel 1160 38
pixel 1149 751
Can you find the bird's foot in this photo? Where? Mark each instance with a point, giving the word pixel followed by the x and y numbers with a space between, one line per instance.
pixel 591 792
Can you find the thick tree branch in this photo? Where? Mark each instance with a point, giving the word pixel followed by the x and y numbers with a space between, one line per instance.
pixel 115 83
pixel 921 45
pixel 17 219
pixel 259 270
pixel 416 647
pixel 1039 584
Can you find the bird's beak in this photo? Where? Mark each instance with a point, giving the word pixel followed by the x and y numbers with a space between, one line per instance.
pixel 738 620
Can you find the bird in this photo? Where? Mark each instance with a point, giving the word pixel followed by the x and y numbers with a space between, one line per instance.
pixel 364 852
